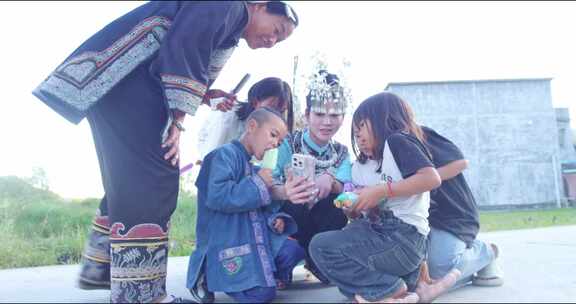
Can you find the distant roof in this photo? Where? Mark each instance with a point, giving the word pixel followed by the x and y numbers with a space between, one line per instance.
pixel 465 81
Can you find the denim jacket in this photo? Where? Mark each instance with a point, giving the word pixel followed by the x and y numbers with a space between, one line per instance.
pixel 234 232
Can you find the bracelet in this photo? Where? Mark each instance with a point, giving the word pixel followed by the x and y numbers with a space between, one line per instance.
pixel 179 126
pixel 389 186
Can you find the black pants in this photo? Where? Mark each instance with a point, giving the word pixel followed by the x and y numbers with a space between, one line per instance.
pixel 128 245
pixel 324 216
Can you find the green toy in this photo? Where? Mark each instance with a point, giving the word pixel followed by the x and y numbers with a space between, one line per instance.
pixel 346 200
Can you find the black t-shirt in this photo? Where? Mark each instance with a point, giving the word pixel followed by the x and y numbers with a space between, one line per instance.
pixel 452 206
pixel 409 153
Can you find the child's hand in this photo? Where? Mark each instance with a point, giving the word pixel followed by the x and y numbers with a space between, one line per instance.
pixel 351 214
pixel 324 184
pixel 279 225
pixel 368 198
pixel 266 175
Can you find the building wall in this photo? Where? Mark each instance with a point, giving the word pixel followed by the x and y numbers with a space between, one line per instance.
pixel 567 151
pixel 505 128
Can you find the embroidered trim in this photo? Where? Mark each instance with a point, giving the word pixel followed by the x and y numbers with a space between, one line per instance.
pixel 258 232
pixel 262 253
pixel 137 262
pixel 83 80
pixel 183 100
pixel 146 231
pixel 266 266
pixel 262 189
pixel 138 274
pixel 184 83
pixel 234 252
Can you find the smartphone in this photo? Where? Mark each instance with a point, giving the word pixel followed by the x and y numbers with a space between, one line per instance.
pixel 303 165
pixel 216 101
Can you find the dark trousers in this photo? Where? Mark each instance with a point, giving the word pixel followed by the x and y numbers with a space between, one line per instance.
pixel 324 216
pixel 287 258
pixel 128 245
pixel 371 260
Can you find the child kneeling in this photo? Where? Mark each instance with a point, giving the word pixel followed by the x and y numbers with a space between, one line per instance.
pixel 377 257
pixel 242 244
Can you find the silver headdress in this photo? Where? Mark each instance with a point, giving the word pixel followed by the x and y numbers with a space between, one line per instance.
pixel 327 97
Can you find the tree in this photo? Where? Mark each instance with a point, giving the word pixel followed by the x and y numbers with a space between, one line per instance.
pixel 39 178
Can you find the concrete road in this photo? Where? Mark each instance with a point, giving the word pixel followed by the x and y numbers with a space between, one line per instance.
pixel 539 266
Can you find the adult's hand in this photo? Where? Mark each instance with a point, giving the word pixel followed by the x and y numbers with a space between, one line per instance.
pixel 300 190
pixel 173 141
pixel 226 105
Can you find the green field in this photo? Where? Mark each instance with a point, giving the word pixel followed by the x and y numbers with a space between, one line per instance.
pixel 39 228
pixel 511 220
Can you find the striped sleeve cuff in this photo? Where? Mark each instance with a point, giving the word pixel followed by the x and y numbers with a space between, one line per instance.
pixel 184 94
pixel 262 189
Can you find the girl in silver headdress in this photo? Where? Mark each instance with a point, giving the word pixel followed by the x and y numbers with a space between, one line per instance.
pixel 310 203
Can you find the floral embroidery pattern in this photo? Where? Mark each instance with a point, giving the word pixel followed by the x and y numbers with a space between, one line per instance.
pixel 82 80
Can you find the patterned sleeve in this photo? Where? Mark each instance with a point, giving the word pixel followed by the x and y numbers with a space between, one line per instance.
pixel 283 159
pixel 197 38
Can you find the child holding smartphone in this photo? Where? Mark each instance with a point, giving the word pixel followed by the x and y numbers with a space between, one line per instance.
pixel 242 241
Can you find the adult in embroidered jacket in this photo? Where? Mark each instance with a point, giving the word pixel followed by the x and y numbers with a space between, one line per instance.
pixel 134 80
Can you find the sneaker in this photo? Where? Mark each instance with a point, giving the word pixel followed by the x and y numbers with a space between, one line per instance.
pixel 491 275
pixel 316 272
pixel 200 292
pixel 173 299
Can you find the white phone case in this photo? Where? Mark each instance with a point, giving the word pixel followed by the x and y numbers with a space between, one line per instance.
pixel 303 165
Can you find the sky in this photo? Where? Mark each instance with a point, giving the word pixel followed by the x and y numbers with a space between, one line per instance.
pixel 383 42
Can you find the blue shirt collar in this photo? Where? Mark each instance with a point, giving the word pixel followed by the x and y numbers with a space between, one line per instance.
pixel 242 149
pixel 312 144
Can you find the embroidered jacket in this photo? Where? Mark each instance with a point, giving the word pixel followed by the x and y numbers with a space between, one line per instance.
pixel 234 234
pixel 170 50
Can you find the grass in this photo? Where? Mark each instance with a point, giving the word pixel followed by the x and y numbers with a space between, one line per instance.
pixel 512 220
pixel 39 228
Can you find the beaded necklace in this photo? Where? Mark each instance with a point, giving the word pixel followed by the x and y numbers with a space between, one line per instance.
pixel 321 165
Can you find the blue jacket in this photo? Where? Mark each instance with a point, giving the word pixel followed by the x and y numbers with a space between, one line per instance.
pixel 234 234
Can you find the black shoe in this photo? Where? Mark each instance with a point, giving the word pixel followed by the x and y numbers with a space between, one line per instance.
pixel 86 285
pixel 200 292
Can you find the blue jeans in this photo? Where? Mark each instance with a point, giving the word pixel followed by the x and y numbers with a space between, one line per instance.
pixel 290 254
pixel 287 258
pixel 446 252
pixel 370 260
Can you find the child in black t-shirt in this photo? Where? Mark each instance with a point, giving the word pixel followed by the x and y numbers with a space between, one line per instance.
pixel 452 244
